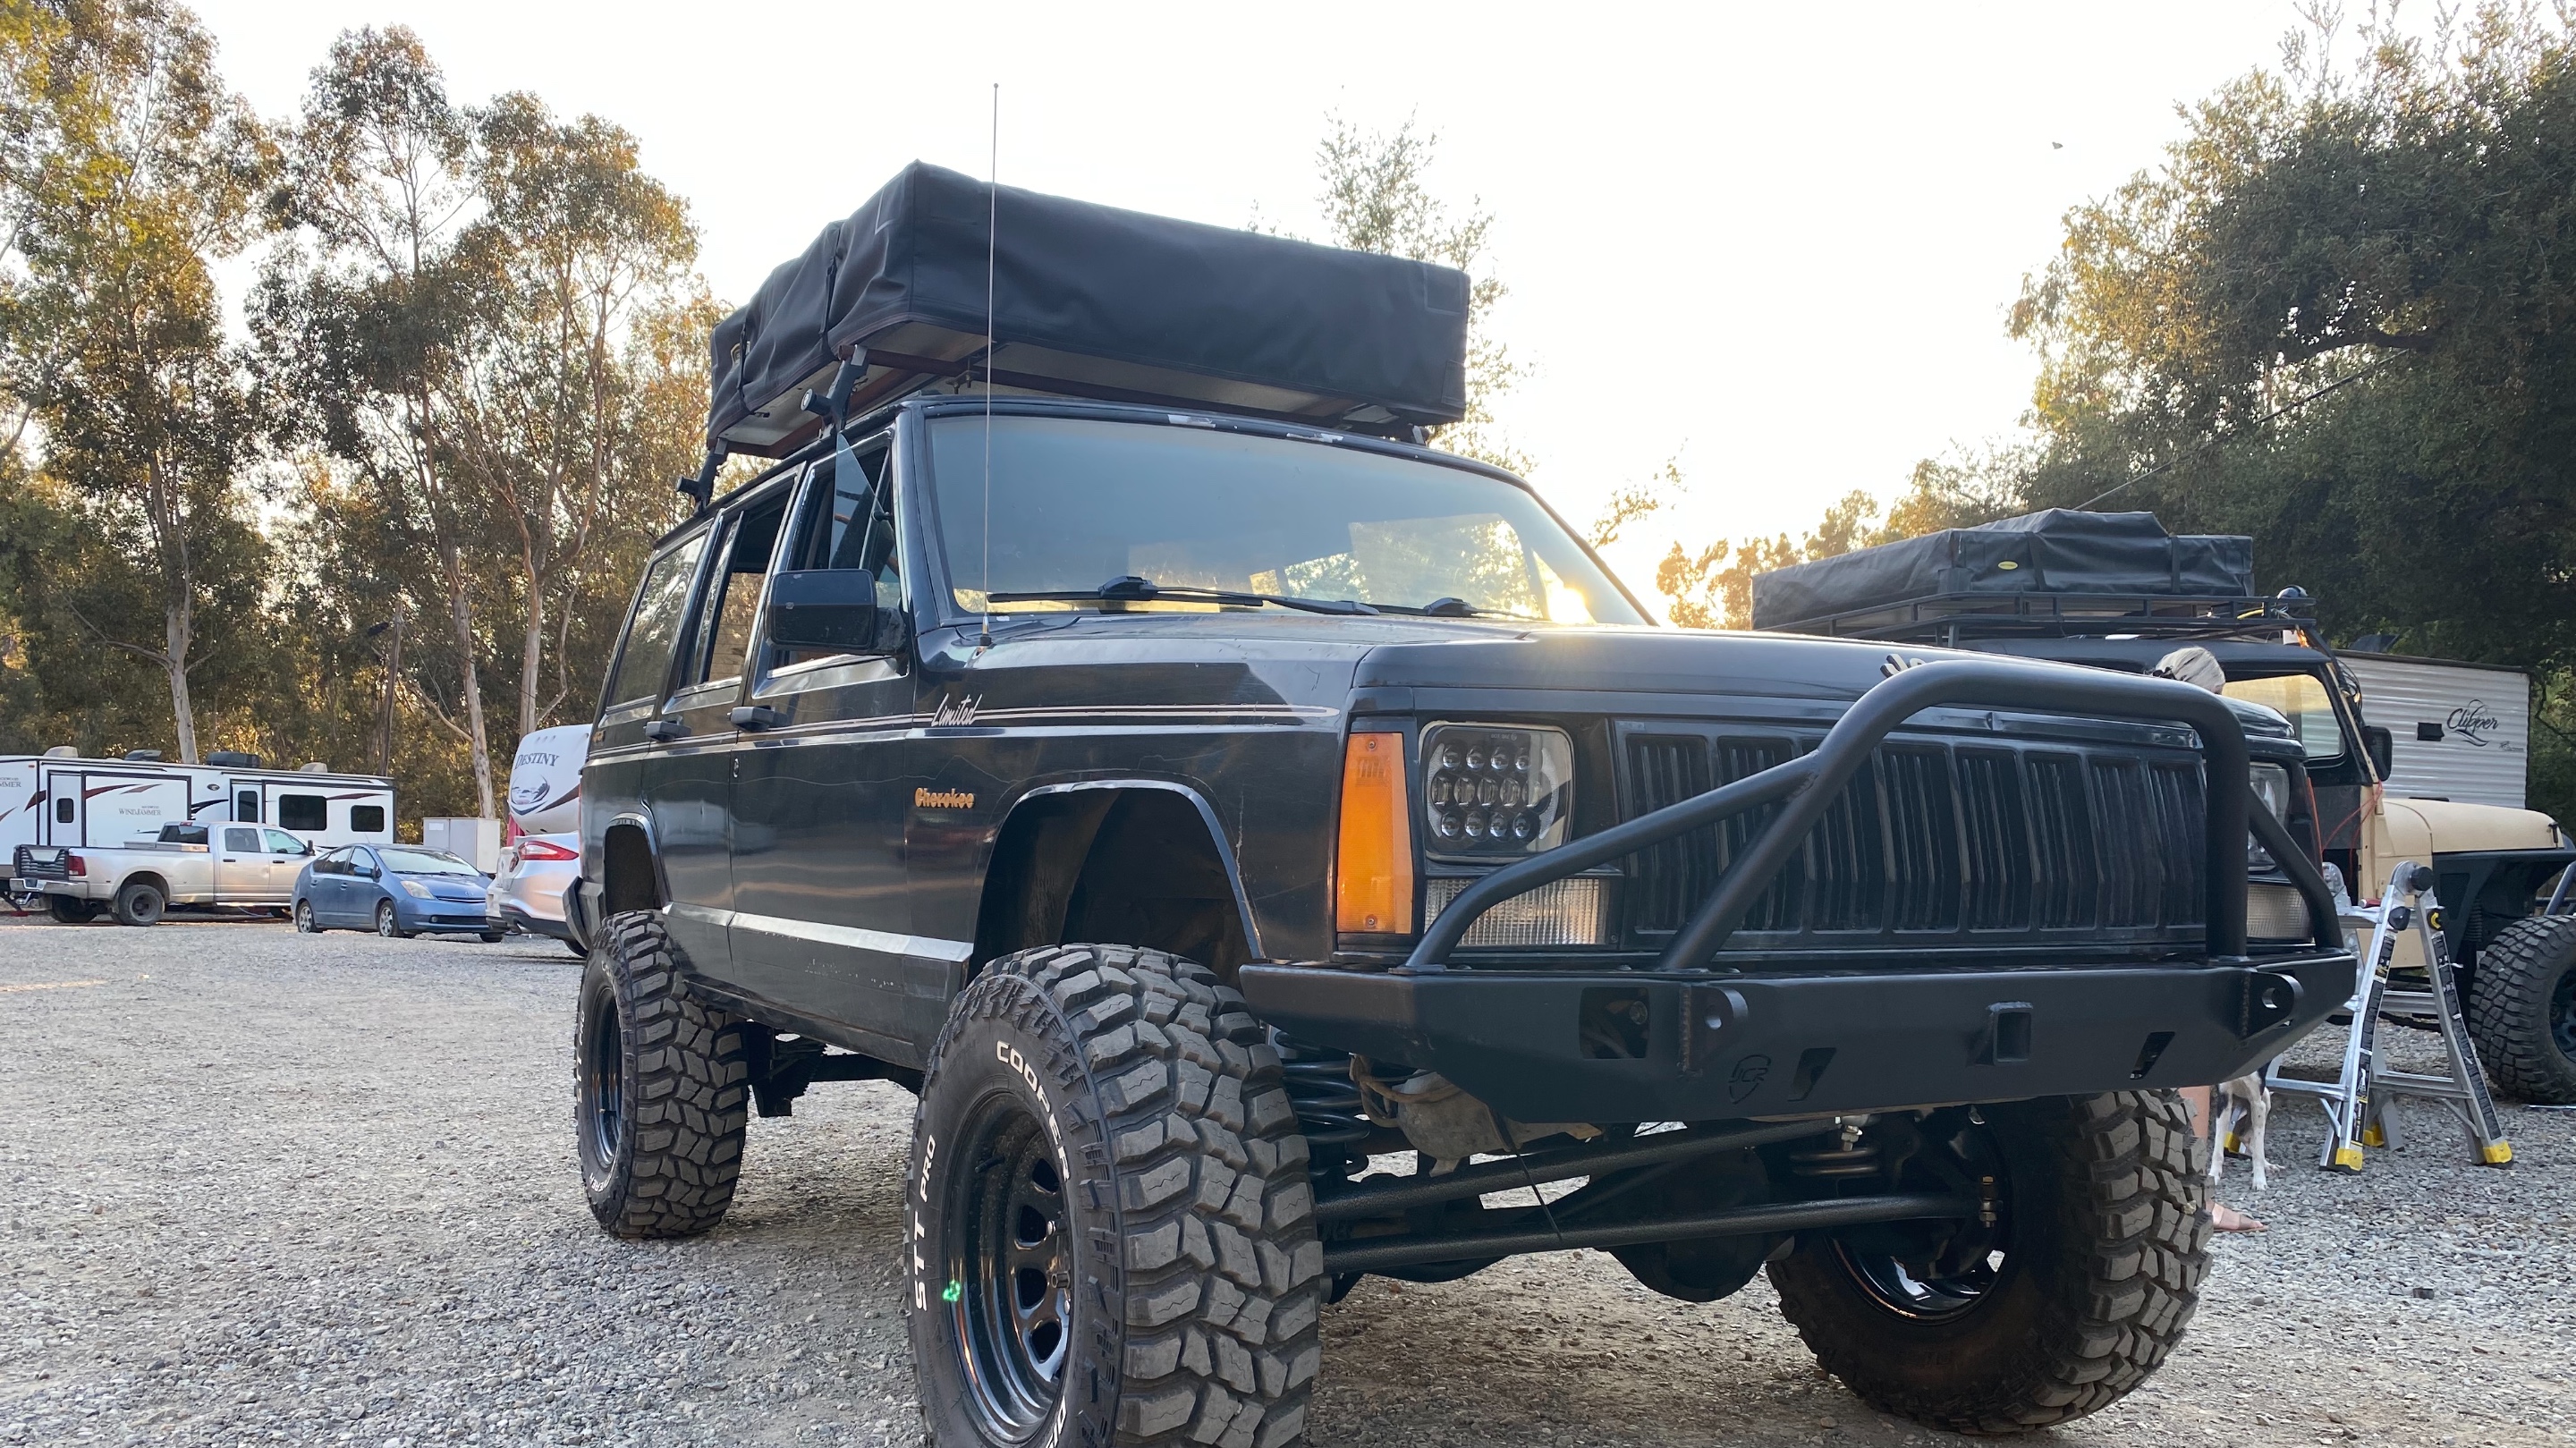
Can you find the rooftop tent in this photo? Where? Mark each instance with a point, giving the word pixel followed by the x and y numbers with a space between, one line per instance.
pixel 1089 301
pixel 2060 551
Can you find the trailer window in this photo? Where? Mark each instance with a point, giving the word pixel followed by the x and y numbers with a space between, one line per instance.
pixel 644 664
pixel 2302 699
pixel 367 819
pixel 303 812
pixel 63 810
pixel 246 806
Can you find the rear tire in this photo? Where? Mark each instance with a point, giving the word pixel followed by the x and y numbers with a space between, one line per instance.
pixel 2522 1013
pixel 2106 1240
pixel 305 921
pixel 576 948
pixel 1113 1228
pixel 661 1089
pixel 140 903
pixel 493 937
pixel 68 911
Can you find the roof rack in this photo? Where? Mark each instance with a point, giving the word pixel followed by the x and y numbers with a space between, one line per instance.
pixel 1945 618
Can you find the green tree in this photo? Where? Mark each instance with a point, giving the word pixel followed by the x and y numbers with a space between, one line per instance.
pixel 1377 197
pixel 128 169
pixel 2337 317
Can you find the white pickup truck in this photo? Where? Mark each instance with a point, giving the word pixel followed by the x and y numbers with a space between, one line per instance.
pixel 230 865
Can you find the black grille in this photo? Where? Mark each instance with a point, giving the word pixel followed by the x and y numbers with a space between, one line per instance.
pixel 1991 842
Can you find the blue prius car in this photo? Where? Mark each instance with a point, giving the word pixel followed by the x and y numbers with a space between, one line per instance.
pixel 396 890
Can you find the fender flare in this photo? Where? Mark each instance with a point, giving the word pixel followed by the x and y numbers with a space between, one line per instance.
pixel 641 821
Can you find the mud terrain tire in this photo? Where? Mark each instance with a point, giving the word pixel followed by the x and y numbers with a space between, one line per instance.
pixel 661 1090
pixel 2522 1013
pixel 2108 1229
pixel 1110 1214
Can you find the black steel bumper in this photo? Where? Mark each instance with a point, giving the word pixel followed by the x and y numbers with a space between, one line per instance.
pixel 1734 1046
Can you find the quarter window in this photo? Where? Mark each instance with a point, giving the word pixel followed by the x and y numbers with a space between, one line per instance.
pixel 644 664
pixel 303 812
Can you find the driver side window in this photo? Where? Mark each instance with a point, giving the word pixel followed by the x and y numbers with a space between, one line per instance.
pixel 733 595
pixel 848 524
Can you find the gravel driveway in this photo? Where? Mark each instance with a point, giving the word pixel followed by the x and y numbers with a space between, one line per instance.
pixel 270 1188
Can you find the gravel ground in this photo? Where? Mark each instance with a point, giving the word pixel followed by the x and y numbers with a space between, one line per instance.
pixel 274 1188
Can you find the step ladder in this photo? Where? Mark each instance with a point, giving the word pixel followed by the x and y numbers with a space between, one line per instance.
pixel 2357 1101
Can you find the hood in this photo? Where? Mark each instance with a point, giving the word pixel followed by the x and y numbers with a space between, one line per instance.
pixel 2453 827
pixel 1646 661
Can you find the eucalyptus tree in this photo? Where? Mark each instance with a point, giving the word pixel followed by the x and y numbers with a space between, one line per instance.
pixel 129 170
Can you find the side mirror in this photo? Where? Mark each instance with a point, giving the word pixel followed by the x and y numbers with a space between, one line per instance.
pixel 834 609
pixel 2382 749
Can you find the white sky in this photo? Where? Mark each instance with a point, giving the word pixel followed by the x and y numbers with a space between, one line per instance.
pixel 1775 240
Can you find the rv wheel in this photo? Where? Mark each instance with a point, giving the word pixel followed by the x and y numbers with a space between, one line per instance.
pixel 139 903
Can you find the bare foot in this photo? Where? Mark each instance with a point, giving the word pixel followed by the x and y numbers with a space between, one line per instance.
pixel 2228 1219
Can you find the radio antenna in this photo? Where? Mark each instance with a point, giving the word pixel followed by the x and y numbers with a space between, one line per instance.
pixel 992 245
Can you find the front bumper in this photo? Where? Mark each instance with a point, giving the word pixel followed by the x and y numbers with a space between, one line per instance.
pixel 1732 1046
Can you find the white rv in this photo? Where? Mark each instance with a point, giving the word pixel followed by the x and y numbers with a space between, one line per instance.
pixel 59 799
pixel 2459 732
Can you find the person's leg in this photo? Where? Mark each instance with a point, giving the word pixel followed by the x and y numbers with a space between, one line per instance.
pixel 2200 1101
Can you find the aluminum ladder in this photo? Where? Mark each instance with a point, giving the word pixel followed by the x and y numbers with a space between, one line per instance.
pixel 2357 1101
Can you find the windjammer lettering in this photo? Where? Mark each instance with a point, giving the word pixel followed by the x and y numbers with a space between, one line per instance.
pixel 942 799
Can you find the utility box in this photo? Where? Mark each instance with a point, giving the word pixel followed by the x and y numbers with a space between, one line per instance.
pixel 475 841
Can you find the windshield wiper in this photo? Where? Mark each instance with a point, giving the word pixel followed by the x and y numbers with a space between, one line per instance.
pixel 1132 589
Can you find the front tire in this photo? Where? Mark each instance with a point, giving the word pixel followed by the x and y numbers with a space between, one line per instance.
pixel 1112 1224
pixel 140 903
pixel 389 922
pixel 2522 1013
pixel 662 1083
pixel 2103 1240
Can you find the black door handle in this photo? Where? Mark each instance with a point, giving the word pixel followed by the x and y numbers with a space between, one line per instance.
pixel 665 730
pixel 757 716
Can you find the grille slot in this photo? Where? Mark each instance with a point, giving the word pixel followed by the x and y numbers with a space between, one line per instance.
pixel 1973 840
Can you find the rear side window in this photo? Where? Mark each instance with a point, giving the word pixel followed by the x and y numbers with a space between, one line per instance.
pixel 246 841
pixel 644 663
pixel 303 812
pixel 367 819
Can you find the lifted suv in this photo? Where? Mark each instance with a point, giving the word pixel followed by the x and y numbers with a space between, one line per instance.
pixel 1212 817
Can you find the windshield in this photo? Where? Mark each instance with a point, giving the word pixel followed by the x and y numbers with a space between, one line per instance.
pixel 2302 699
pixel 1077 502
pixel 425 862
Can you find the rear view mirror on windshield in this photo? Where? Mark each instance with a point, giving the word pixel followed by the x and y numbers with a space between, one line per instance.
pixel 833 609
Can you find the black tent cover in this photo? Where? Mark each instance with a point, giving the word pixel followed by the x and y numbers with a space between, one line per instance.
pixel 1093 301
pixel 2057 551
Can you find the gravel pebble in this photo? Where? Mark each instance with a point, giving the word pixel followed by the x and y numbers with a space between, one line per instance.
pixel 270 1188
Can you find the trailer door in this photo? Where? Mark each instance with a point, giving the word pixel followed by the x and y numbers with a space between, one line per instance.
pixel 117 809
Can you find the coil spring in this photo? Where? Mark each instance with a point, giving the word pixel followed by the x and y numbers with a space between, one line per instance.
pixel 1326 1100
pixel 1847 1158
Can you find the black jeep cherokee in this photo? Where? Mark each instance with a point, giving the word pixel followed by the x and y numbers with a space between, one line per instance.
pixel 1212 817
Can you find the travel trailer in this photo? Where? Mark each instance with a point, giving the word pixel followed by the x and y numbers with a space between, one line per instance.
pixel 61 799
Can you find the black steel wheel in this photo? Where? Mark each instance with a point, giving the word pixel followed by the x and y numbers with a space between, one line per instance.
pixel 388 923
pixel 1005 1249
pixel 661 1089
pixel 68 911
pixel 1113 1227
pixel 2070 1299
pixel 2522 1009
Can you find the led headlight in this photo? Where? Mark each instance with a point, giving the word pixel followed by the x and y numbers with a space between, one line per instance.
pixel 2271 785
pixel 1490 791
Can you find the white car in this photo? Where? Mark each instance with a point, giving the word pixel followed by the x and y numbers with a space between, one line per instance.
pixel 528 890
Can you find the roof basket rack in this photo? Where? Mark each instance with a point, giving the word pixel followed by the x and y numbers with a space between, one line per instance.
pixel 1937 619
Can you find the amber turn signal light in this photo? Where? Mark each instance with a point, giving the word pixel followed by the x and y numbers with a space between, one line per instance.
pixel 1373 872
